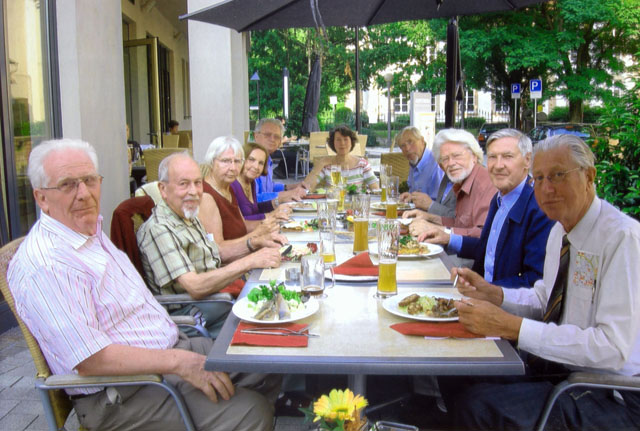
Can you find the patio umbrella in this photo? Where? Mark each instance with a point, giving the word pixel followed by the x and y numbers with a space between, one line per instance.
pixel 312 99
pixel 246 15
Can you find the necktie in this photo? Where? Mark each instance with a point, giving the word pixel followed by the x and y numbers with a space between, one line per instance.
pixel 554 305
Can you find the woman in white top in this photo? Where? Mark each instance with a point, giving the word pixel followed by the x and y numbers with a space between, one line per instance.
pixel 354 169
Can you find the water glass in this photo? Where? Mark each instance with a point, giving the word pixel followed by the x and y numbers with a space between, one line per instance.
pixel 328 251
pixel 392 197
pixel 312 272
pixel 292 277
pixel 388 232
pixel 360 206
pixel 385 172
pixel 327 211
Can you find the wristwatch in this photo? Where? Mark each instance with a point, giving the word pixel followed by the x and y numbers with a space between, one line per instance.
pixel 250 246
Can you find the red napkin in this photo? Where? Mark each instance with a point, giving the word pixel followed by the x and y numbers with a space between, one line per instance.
pixel 315 196
pixel 269 340
pixel 429 329
pixel 234 288
pixel 360 264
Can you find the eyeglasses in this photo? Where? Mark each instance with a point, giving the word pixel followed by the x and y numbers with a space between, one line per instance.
pixel 555 178
pixel 70 185
pixel 270 136
pixel 407 143
pixel 455 157
pixel 227 162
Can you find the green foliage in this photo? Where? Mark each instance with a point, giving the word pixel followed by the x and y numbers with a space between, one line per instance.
pixel 559 114
pixel 618 163
pixel 346 116
pixel 474 122
pixel 401 121
pixel 591 114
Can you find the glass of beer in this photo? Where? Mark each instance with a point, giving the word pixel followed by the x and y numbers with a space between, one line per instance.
pixel 312 275
pixel 327 211
pixel 385 172
pixel 328 251
pixel 336 175
pixel 361 222
pixel 392 197
pixel 388 232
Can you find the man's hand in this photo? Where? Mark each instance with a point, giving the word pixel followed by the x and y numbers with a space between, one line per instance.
pixel 405 197
pixel 282 213
pixel 267 257
pixel 485 318
pixel 272 240
pixel 265 227
pixel 421 200
pixel 212 383
pixel 295 194
pixel 420 227
pixel 434 235
pixel 473 285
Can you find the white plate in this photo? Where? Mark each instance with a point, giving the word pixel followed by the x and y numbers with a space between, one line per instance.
pixel 242 310
pixel 391 305
pixel 434 249
pixel 310 207
pixel 401 206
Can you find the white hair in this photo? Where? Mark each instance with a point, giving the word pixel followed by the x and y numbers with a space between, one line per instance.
pixel 524 142
pixel 580 152
pixel 457 136
pixel 221 144
pixel 273 121
pixel 163 168
pixel 38 156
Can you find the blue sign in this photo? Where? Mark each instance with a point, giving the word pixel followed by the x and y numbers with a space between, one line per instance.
pixel 515 91
pixel 535 88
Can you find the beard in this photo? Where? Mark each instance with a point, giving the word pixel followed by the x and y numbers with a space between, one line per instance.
pixel 190 213
pixel 461 176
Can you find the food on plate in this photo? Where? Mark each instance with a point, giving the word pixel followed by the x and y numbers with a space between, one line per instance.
pixel 408 245
pixel 274 302
pixel 297 251
pixel 301 226
pixel 402 206
pixel 427 305
pixel 304 206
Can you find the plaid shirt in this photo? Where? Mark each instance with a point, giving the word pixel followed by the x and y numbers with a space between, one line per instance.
pixel 171 246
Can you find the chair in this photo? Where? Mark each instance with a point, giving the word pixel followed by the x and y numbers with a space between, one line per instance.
pixel 55 401
pixel 151 190
pixel 170 141
pixel 185 140
pixel 153 157
pixel 247 135
pixel 399 163
pixel 362 141
pixel 318 145
pixel 593 380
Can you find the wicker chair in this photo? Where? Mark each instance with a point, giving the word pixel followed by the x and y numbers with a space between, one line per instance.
pixel 185 140
pixel 399 163
pixel 170 141
pixel 153 157
pixel 55 400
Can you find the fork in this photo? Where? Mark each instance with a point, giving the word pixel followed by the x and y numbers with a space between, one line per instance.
pixel 276 328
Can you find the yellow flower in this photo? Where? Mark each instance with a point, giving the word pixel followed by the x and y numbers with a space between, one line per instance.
pixel 339 405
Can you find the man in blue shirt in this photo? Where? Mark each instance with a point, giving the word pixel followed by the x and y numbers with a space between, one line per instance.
pixel 426 187
pixel 510 250
pixel 268 134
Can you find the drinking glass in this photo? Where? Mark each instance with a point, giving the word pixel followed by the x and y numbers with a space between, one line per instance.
pixel 292 277
pixel 360 206
pixel 312 274
pixel 327 210
pixel 388 231
pixel 392 197
pixel 336 175
pixel 385 172
pixel 328 251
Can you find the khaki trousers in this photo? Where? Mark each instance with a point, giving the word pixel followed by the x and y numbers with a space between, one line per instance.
pixel 152 408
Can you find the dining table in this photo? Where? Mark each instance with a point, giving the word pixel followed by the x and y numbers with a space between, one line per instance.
pixel 354 331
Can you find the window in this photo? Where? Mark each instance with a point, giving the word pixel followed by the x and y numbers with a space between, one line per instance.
pixel 433 102
pixel 469 105
pixel 501 99
pixel 401 104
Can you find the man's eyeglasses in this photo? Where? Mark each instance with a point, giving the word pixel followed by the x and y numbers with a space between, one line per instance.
pixel 455 157
pixel 227 162
pixel 70 185
pixel 270 136
pixel 555 178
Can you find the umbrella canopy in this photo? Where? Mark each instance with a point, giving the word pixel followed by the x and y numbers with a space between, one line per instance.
pixel 312 99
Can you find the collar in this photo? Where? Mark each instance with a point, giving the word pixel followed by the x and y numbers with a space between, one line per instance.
pixel 465 186
pixel 510 198
pixel 427 156
pixel 71 237
pixel 581 231
pixel 166 211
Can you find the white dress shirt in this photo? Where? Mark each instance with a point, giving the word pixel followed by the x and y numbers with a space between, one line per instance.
pixel 600 325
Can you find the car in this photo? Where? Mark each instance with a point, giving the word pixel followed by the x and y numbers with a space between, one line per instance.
pixel 543 131
pixel 487 129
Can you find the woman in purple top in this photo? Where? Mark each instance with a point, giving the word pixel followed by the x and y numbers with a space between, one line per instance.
pixel 244 187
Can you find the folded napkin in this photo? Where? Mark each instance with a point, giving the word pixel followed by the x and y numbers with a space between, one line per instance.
pixel 234 288
pixel 434 329
pixel 269 340
pixel 360 264
pixel 315 196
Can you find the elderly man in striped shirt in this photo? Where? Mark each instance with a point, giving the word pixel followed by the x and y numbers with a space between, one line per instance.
pixel 92 314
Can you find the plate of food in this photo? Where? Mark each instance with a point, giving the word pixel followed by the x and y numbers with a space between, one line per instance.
pixel 411 249
pixel 294 252
pixel 300 226
pixel 274 304
pixel 305 207
pixel 402 206
pixel 431 307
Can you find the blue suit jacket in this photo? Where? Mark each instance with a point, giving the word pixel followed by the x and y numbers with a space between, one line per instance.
pixel 521 245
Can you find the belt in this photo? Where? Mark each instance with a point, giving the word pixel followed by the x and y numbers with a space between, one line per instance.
pixel 81 396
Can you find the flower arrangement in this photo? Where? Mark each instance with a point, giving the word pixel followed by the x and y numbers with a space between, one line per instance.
pixel 338 411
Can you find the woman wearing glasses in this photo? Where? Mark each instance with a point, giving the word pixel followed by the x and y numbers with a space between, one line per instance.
pixel 219 211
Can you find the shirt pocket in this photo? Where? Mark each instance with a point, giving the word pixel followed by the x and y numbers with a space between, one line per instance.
pixel 583 283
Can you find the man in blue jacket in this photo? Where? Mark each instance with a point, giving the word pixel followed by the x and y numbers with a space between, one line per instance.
pixel 510 250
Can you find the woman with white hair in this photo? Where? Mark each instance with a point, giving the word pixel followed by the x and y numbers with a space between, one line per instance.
pixel 219 211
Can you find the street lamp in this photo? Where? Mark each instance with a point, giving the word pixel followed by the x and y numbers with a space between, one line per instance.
pixel 333 100
pixel 285 93
pixel 256 77
pixel 388 77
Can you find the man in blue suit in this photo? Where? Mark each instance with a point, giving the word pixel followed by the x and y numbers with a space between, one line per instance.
pixel 510 250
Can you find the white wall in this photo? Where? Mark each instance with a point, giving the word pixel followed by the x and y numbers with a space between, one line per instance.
pixel 92 89
pixel 219 81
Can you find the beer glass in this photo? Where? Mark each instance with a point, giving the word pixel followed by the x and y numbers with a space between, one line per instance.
pixel 385 172
pixel 336 175
pixel 327 211
pixel 361 222
pixel 312 275
pixel 328 251
pixel 388 232
pixel 392 197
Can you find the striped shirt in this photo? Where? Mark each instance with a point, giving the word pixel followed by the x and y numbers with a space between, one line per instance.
pixel 361 174
pixel 171 246
pixel 78 294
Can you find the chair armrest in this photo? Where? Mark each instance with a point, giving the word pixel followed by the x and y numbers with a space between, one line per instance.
pixel 74 379
pixel 604 379
pixel 183 320
pixel 185 298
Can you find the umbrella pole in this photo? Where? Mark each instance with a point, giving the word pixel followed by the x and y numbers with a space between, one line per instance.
pixel 452 72
pixel 358 119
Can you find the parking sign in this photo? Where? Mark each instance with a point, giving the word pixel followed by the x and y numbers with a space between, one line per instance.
pixel 515 91
pixel 535 88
